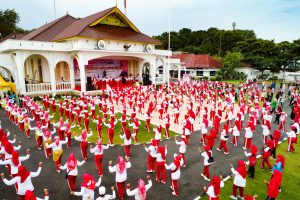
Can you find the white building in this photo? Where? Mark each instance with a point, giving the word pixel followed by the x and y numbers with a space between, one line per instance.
pixel 61 55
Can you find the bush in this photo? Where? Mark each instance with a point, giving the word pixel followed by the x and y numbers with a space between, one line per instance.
pixel 205 78
pixel 263 76
pixel 213 78
pixel 219 78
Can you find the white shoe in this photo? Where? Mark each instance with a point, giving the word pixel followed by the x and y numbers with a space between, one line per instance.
pixel 233 197
pixel 226 153
pixel 218 149
pixel 174 194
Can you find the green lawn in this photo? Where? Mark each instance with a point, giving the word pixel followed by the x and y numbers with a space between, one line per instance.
pixel 290 182
pixel 143 135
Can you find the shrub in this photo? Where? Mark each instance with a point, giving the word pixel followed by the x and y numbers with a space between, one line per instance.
pixel 213 78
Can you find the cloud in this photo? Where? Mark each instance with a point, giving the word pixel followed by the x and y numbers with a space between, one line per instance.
pixel 271 19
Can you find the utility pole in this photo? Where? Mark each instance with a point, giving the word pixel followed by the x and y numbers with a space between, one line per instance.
pixel 54 5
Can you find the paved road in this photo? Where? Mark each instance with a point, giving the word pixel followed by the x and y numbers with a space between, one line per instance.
pixel 190 183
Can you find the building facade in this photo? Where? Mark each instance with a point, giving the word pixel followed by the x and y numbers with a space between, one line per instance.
pixel 65 54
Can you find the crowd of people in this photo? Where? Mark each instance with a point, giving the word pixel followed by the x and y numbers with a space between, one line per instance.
pixel 213 105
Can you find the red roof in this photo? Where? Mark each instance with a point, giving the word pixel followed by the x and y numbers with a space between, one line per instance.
pixel 198 61
pixel 50 30
pixel 16 36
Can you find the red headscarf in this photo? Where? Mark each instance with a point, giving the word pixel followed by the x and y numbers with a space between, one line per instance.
pixel 127 133
pixel 161 150
pixel 99 145
pixel 56 140
pixel 121 166
pixel 88 182
pixel 142 189
pixel 23 173
pixel 15 158
pixel 38 125
pixel 84 135
pixel 254 150
pixel 153 143
pixel 177 160
pixel 29 195
pixel 207 150
pixel 241 169
pixel 72 162
pixel 215 182
pixel 8 147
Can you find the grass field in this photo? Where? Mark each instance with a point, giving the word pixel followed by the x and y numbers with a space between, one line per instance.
pixel 290 181
pixel 143 135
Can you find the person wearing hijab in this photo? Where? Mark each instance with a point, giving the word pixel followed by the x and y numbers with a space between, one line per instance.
pixel 182 148
pixel 47 140
pixel 99 126
pixel 127 141
pixel 72 170
pixel 23 180
pixel 121 174
pixel 152 149
pixel 274 185
pixel 111 130
pixel 29 195
pixel 239 181
pixel 139 193
pixel 104 196
pixel 160 164
pixel 266 153
pixel 224 139
pixel 38 133
pixel 57 150
pixel 292 138
pixel 252 160
pixel 175 173
pixel 88 187
pixel 279 163
pixel 207 154
pixel 98 152
pixel 214 188
pixel 15 162
pixel 83 142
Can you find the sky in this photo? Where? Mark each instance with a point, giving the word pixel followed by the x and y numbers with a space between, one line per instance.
pixel 270 19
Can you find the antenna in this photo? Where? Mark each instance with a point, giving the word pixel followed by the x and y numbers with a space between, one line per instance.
pixel 54 5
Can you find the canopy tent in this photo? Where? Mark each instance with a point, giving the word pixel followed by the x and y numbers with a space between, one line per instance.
pixel 7 86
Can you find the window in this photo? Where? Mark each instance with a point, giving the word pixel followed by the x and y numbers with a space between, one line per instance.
pixel 199 73
pixel 212 73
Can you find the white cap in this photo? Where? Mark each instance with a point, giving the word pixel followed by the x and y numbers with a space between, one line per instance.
pixel 102 190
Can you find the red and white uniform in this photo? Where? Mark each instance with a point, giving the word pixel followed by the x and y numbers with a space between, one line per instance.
pixel 139 193
pixel 98 152
pixel 175 173
pixel 121 175
pixel 72 170
pixel 87 187
pixel 127 141
pixel 83 142
pixel 152 149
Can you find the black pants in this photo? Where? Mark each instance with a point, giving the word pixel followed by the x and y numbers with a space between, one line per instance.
pixel 277 118
pixel 251 171
pixel 273 153
pixel 269 198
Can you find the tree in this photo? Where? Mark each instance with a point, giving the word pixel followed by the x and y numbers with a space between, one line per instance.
pixel 8 21
pixel 231 61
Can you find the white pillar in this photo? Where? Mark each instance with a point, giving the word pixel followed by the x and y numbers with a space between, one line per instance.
pixel 152 71
pixel 179 72
pixel 140 65
pixel 20 69
pixel 81 63
pixel 72 77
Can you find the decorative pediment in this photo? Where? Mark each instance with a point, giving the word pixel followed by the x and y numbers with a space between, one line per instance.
pixel 113 20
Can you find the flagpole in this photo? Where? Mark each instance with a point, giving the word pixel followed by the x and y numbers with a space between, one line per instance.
pixel 169 44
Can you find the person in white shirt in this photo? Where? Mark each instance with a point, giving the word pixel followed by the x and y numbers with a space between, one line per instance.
pixel 83 142
pixel 182 148
pixel 213 190
pixel 140 192
pixel 72 170
pixel 292 138
pixel 160 164
pixel 266 133
pixel 57 150
pixel 175 173
pixel 15 162
pixel 87 187
pixel 206 157
pixel 104 196
pixel 127 141
pixel 23 180
pixel 248 138
pixel 121 174
pixel 30 195
pixel 152 149
pixel 239 181
pixel 98 152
